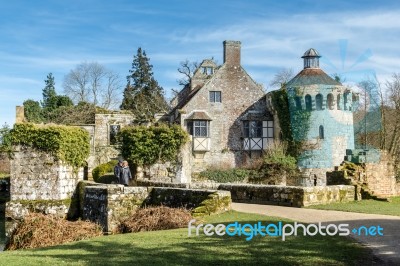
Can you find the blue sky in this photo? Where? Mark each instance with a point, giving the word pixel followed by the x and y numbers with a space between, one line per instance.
pixel 39 37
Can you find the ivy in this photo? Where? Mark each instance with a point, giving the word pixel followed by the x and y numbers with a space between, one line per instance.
pixel 294 124
pixel 68 144
pixel 143 145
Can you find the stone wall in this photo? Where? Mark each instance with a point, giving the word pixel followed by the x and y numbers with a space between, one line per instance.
pixel 380 177
pixel 398 189
pixel 180 197
pixel 296 196
pixel 290 196
pixel 376 179
pixel 4 163
pixel 16 210
pixel 36 175
pixel 108 204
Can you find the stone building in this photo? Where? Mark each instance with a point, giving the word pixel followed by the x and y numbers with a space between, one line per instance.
pixel 224 111
pixel 103 136
pixel 321 116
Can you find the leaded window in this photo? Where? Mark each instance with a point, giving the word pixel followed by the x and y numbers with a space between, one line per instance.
pixel 199 128
pixel 252 129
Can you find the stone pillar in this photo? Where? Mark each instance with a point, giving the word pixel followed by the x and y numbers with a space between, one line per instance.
pixel 19 114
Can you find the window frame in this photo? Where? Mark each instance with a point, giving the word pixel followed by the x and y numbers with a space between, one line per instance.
pixel 308 102
pixel 203 127
pixel 253 128
pixel 319 100
pixel 321 132
pixel 112 133
pixel 213 96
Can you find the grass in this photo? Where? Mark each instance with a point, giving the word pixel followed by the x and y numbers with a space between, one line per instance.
pixel 365 206
pixel 175 247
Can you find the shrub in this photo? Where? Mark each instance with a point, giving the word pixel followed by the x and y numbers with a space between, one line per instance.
pixel 156 218
pixel 146 145
pixel 226 176
pixel 99 171
pixel 68 144
pixel 276 165
pixel 39 230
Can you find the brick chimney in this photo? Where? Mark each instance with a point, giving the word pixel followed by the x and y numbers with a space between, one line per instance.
pixel 232 53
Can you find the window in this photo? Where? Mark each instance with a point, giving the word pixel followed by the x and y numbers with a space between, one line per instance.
pixel 329 101
pixel 298 103
pixel 345 98
pixel 114 129
pixel 338 102
pixel 215 96
pixel 308 102
pixel 208 70
pixel 198 128
pixel 321 132
pixel 318 102
pixel 252 129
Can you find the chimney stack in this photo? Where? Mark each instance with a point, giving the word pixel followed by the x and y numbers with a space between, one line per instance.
pixel 232 53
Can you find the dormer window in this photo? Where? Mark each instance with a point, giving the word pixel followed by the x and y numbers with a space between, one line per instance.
pixel 207 70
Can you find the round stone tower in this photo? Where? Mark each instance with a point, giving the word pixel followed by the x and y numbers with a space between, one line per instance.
pixel 321 119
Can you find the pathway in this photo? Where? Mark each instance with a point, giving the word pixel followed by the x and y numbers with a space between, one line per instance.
pixel 386 247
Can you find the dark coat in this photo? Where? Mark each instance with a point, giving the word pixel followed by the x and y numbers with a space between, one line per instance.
pixel 117 173
pixel 125 176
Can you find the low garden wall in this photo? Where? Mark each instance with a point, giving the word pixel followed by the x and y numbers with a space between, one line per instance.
pixel 289 196
pixel 107 205
pixel 294 196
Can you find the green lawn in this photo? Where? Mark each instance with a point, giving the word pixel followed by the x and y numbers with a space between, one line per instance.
pixel 365 206
pixel 174 247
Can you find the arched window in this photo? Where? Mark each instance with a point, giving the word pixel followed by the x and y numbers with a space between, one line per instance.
pixel 298 103
pixel 318 102
pixel 338 102
pixel 321 132
pixel 345 96
pixel 308 102
pixel 329 101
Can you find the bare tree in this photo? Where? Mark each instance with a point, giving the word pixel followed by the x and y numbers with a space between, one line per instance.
pixel 393 88
pixel 112 94
pixel 187 68
pixel 93 83
pixel 282 77
pixel 76 82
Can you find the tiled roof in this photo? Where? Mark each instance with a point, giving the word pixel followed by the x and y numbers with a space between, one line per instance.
pixel 199 116
pixel 312 76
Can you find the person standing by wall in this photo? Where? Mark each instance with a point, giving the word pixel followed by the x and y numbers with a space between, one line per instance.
pixel 125 175
pixel 117 171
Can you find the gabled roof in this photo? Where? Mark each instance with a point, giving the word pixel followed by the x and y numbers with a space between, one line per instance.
pixel 182 103
pixel 199 115
pixel 312 76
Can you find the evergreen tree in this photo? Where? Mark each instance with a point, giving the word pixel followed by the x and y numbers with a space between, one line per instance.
pixel 49 102
pixel 142 94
